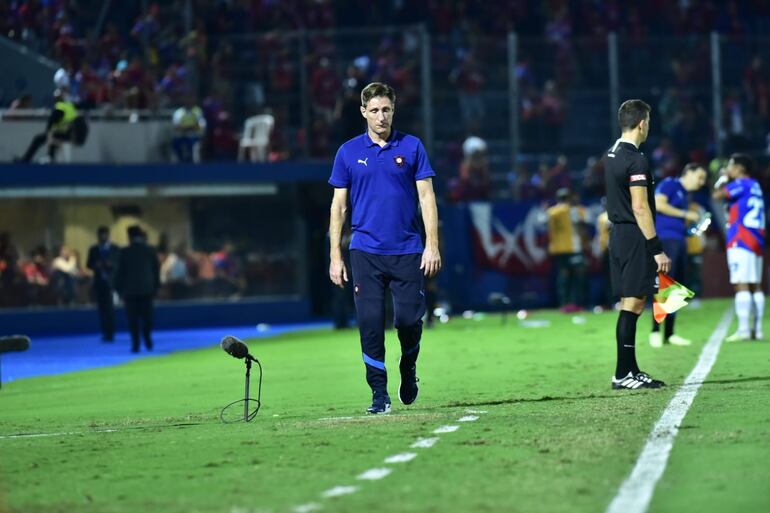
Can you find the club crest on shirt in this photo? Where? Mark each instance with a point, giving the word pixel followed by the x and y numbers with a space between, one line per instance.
pixel 399 160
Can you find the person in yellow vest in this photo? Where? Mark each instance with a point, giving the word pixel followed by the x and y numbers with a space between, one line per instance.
pixel 566 235
pixel 59 128
pixel 189 128
pixel 603 226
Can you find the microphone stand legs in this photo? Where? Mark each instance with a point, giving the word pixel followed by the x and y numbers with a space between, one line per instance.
pixel 246 396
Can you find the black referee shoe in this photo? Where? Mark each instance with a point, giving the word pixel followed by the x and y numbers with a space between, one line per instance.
pixel 636 381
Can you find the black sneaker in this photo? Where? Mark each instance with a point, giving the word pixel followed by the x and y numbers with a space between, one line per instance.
pixel 380 405
pixel 636 381
pixel 408 389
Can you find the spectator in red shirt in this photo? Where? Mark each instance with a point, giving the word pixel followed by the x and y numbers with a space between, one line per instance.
pixel 324 87
pixel 553 112
pixel 469 79
pixel 472 180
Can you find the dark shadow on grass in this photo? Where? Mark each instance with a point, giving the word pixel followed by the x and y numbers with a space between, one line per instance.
pixel 734 380
pixel 543 399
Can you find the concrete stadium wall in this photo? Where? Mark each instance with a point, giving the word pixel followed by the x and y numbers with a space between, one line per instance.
pixel 109 142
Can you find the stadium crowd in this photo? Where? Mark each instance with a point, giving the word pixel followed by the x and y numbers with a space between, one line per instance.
pixel 157 58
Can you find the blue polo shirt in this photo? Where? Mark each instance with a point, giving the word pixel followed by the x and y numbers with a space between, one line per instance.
pixel 383 191
pixel 671 228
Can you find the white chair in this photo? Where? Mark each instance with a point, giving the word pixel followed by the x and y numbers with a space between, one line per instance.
pixel 256 138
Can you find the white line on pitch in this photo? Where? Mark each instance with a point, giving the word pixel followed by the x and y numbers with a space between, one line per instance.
pixel 445 429
pixel 424 443
pixel 375 474
pixel 306 508
pixel 468 418
pixel 339 490
pixel 401 458
pixel 636 491
pixel 64 433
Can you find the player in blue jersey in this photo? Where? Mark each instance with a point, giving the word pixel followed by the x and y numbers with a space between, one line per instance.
pixel 671 204
pixel 745 243
pixel 385 174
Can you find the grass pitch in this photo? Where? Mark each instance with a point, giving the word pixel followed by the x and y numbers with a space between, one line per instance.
pixel 146 436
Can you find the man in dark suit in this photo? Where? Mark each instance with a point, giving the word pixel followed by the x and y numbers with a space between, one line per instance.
pixel 102 259
pixel 137 280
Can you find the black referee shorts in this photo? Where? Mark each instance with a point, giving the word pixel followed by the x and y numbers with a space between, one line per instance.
pixel 632 270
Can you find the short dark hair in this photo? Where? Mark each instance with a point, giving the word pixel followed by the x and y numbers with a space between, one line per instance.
pixel 745 161
pixel 377 89
pixel 102 229
pixel 135 231
pixel 630 113
pixel 692 166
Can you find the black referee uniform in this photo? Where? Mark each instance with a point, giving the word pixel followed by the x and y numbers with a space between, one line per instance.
pixel 633 269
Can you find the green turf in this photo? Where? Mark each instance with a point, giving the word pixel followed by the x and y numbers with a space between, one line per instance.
pixel 721 459
pixel 555 438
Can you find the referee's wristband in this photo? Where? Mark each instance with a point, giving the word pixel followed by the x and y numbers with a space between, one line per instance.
pixel 654 246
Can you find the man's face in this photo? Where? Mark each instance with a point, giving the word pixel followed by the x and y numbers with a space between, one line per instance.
pixel 645 127
pixel 694 180
pixel 733 170
pixel 103 237
pixel 379 115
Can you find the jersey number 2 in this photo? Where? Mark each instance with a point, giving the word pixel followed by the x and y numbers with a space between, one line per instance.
pixel 755 217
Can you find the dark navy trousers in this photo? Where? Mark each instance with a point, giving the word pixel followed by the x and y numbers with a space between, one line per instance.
pixel 676 250
pixel 371 275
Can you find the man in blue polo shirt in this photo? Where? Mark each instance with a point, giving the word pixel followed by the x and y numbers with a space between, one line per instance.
pixel 385 174
pixel 672 203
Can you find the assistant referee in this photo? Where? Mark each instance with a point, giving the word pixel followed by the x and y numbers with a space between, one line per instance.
pixel 636 253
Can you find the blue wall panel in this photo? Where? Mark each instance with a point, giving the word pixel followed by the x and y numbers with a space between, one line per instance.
pixel 59 321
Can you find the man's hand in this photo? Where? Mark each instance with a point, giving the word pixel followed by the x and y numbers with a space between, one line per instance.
pixel 338 273
pixel 431 262
pixel 691 216
pixel 664 263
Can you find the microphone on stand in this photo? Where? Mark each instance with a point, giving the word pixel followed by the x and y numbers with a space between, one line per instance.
pixel 238 349
pixel 235 347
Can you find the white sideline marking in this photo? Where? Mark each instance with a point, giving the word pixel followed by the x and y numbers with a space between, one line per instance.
pixel 424 443
pixel 401 458
pixel 374 474
pixel 64 433
pixel 306 508
pixel 635 493
pixel 476 411
pixel 339 490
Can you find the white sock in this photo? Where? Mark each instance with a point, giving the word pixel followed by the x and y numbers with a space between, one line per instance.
pixel 743 303
pixel 759 310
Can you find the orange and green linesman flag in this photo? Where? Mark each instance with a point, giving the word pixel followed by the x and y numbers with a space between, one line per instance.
pixel 671 296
